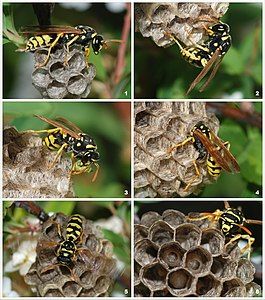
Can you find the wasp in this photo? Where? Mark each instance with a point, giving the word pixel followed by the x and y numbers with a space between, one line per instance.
pixel 68 247
pixel 212 149
pixel 67 137
pixel 232 223
pixel 209 54
pixel 218 44
pixel 47 37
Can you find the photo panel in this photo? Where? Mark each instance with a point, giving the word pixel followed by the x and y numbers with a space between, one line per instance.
pixel 198 50
pixel 198 149
pixel 66 249
pixel 198 249
pixel 66 150
pixel 73 50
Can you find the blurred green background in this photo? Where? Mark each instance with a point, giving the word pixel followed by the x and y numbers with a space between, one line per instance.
pixel 15 225
pixel 163 73
pixel 240 124
pixel 107 123
pixel 251 209
pixel 106 19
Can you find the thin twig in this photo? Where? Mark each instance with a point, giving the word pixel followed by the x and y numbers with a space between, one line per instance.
pixel 122 48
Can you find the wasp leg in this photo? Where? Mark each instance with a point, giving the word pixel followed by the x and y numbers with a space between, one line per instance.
pixel 58 155
pixel 49 50
pixel 247 237
pixel 190 139
pixel 68 50
pixel 227 145
pixel 45 130
pixel 96 172
pixel 87 53
pixel 213 217
pixel 194 178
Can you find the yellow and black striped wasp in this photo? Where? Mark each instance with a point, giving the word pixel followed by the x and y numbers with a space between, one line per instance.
pixel 66 252
pixel 232 223
pixel 218 44
pixel 48 37
pixel 212 149
pixel 67 137
pixel 209 54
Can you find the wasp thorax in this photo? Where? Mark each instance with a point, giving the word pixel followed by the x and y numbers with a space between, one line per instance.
pixel 180 258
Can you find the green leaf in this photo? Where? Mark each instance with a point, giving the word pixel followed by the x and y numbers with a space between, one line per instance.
pixel 27 108
pixel 175 91
pixel 233 63
pixel 251 157
pixel 120 245
pixel 234 133
pixel 65 207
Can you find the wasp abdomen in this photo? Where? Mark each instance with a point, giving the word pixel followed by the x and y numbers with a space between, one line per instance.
pixel 74 228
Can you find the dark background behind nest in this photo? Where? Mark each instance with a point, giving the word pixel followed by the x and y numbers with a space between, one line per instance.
pixel 163 73
pixel 251 209
pixel 18 66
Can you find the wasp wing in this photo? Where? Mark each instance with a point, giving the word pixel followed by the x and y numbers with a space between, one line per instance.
pixel 49 29
pixel 214 59
pixel 68 124
pixel 218 151
pixel 58 125
pixel 228 156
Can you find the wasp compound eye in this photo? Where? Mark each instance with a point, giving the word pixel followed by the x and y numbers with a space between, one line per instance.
pixel 97 44
pixel 95 156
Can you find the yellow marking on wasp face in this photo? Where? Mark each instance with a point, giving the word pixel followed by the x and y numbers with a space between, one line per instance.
pixel 78 144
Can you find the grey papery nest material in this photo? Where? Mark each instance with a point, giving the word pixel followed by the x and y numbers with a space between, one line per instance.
pixel 66 75
pixel 26 172
pixel 177 257
pixel 186 21
pixel 159 126
pixel 92 273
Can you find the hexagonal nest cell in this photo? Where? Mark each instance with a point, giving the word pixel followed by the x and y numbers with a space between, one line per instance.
pixel 26 172
pixel 91 273
pixel 186 21
pixel 66 74
pixel 192 261
pixel 158 127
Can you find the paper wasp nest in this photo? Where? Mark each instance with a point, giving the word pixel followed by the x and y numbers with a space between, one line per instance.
pixel 25 168
pixel 92 273
pixel 175 257
pixel 186 21
pixel 66 75
pixel 159 126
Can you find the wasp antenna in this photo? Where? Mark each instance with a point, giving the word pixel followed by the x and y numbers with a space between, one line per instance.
pixel 96 173
pixel 114 41
pixel 226 204
pixel 257 222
